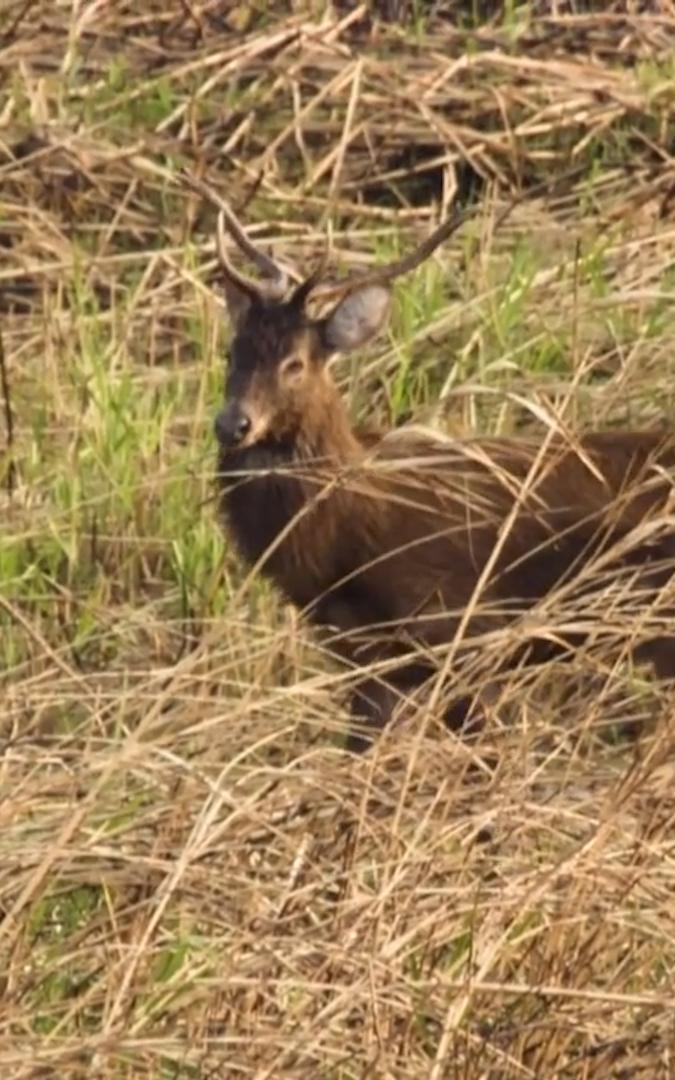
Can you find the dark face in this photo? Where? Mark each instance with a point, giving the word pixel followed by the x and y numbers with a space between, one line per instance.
pixel 275 356
pixel 278 359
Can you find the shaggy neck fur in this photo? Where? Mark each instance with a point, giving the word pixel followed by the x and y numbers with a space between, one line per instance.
pixel 287 503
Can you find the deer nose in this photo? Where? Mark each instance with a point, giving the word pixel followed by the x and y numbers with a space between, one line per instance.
pixel 231 426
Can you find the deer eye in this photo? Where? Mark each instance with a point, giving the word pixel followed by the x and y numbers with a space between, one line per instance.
pixel 293 368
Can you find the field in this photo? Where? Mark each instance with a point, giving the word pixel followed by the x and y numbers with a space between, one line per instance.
pixel 195 879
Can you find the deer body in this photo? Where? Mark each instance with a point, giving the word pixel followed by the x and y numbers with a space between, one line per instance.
pixel 393 542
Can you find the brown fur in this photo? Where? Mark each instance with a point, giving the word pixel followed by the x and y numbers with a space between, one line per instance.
pixel 383 539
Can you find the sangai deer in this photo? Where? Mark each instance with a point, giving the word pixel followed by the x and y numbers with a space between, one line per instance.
pixel 405 543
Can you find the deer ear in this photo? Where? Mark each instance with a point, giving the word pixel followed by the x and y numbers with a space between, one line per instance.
pixel 238 302
pixel 356 319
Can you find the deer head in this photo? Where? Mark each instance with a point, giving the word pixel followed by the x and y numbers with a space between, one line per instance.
pixel 278 353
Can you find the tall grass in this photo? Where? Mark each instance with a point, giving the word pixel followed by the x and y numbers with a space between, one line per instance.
pixel 195 880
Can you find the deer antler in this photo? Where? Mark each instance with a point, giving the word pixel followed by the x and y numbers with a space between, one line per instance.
pixel 277 276
pixel 382 275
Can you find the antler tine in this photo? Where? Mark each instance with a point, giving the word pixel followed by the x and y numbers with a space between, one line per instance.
pixel 382 275
pixel 253 288
pixel 278 276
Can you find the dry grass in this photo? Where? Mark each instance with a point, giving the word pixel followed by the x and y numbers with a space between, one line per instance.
pixel 194 879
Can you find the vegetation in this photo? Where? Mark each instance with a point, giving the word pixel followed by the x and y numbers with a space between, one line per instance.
pixel 195 880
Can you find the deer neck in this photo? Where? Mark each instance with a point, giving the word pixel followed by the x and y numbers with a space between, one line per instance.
pixel 286 494
pixel 325 434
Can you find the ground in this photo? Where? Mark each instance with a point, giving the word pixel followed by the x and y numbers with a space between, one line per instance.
pixel 195 879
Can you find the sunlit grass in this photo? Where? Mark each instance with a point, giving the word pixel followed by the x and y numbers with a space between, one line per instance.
pixel 196 879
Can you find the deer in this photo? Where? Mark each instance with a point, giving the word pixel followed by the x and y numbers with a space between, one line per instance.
pixel 399 545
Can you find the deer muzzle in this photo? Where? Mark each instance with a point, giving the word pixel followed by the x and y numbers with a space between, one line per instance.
pixel 232 425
